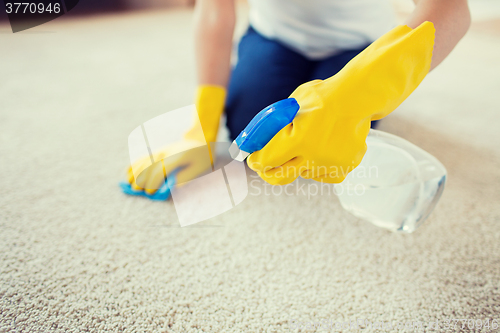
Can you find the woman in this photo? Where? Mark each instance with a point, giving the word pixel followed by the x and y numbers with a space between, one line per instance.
pixel 296 47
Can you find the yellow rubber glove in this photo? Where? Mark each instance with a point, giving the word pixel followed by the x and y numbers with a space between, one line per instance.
pixel 190 154
pixel 326 140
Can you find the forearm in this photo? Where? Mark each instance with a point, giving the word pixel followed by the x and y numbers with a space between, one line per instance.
pixel 451 19
pixel 214 27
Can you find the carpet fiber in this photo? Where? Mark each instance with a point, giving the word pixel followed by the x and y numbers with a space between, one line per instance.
pixel 77 255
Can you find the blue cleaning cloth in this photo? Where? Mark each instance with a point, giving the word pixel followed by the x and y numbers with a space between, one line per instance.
pixel 162 194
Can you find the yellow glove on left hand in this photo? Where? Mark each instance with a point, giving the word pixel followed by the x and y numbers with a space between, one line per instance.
pixel 188 155
pixel 327 137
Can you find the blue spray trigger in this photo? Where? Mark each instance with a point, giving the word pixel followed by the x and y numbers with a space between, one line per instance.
pixel 266 124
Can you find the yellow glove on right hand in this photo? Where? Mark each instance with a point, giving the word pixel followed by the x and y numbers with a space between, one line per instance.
pixel 327 137
pixel 190 155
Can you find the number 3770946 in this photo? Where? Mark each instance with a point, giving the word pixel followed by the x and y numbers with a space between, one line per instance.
pixel 32 8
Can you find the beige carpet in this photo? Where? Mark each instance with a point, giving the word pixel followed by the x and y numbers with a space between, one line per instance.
pixel 76 255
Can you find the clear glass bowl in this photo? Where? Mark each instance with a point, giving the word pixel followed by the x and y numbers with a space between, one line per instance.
pixel 396 186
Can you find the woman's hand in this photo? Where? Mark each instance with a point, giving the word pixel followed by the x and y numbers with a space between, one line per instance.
pixel 190 157
pixel 326 140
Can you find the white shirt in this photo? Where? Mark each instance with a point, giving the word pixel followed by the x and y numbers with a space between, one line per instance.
pixel 320 28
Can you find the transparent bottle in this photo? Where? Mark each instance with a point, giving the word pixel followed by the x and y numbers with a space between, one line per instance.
pixel 396 186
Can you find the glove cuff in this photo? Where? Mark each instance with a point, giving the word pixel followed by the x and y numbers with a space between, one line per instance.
pixel 209 101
